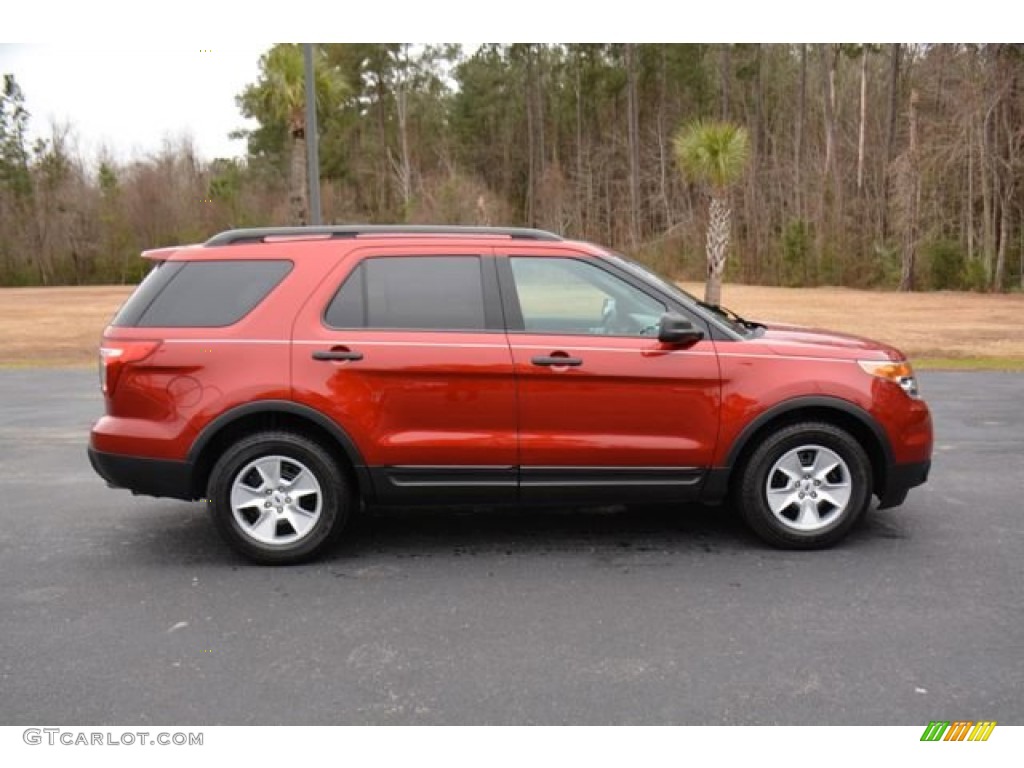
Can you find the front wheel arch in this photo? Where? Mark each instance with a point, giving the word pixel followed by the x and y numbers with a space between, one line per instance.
pixel 824 487
pixel 829 410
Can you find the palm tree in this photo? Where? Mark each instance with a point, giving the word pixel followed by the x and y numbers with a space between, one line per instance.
pixel 714 153
pixel 280 93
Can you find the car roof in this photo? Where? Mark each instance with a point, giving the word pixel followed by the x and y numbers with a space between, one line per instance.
pixel 310 236
pixel 265 234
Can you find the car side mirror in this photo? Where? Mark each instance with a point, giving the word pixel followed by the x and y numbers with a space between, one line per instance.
pixel 676 329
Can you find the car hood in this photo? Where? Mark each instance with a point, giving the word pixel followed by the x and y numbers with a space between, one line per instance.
pixel 795 339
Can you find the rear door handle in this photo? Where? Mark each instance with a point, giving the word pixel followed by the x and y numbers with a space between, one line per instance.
pixel 557 360
pixel 337 354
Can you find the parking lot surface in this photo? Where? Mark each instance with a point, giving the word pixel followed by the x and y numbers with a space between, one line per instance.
pixel 129 610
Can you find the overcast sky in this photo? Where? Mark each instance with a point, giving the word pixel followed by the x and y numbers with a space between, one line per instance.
pixel 130 100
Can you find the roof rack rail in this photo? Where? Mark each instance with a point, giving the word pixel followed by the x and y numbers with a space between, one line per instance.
pixel 260 234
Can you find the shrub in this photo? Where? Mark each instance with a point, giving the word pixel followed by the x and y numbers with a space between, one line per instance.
pixel 946 265
pixel 975 278
pixel 796 253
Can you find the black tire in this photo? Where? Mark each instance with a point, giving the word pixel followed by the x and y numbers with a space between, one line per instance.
pixel 334 497
pixel 834 522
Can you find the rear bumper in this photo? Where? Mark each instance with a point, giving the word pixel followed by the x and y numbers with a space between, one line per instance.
pixel 147 477
pixel 900 479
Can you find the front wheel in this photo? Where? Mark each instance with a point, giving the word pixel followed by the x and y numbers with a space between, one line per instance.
pixel 805 486
pixel 278 497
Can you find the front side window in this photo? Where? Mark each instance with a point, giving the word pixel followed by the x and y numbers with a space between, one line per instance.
pixel 723 316
pixel 443 293
pixel 558 295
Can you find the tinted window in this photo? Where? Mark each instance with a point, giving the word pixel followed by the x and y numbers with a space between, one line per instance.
pixel 348 308
pixel 202 294
pixel 415 292
pixel 571 296
pixel 150 287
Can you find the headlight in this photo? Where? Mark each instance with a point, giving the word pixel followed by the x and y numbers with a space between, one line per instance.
pixel 899 373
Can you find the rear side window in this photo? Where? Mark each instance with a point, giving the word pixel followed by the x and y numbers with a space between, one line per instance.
pixel 200 294
pixel 411 292
pixel 154 282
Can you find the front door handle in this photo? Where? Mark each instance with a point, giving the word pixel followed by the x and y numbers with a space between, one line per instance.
pixel 339 353
pixel 557 360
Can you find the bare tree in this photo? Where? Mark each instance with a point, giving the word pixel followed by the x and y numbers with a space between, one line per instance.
pixel 908 183
pixel 862 129
pixel 633 143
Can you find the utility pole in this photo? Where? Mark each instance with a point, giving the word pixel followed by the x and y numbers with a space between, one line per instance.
pixel 312 139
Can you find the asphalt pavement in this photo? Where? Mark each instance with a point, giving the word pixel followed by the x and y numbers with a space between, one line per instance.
pixel 128 610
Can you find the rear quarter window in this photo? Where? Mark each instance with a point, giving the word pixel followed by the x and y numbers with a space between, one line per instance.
pixel 200 294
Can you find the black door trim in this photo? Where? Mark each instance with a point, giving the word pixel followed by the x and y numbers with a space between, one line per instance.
pixel 428 484
pixel 432 485
pixel 599 485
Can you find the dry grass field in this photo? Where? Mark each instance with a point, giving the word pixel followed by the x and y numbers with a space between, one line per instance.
pixel 55 326
pixel 943 329
pixel 61 326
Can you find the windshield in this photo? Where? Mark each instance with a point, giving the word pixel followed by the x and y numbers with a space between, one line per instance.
pixel 724 316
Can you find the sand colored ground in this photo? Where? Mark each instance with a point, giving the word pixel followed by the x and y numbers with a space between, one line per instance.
pixel 61 326
pixel 941 324
pixel 55 326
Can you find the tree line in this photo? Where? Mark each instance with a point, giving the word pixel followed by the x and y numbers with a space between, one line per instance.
pixel 869 165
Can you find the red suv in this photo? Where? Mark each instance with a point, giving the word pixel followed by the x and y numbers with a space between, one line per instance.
pixel 284 375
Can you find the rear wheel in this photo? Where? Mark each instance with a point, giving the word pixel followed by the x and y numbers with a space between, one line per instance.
pixel 278 497
pixel 805 486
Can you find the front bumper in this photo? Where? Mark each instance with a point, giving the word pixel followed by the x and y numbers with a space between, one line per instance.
pixel 900 479
pixel 146 477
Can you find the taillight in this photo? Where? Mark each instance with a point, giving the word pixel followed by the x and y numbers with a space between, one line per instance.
pixel 115 355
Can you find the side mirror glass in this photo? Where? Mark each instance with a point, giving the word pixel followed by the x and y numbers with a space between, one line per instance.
pixel 676 329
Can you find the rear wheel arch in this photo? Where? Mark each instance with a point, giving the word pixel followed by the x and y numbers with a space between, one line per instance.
pixel 830 410
pixel 279 497
pixel 262 415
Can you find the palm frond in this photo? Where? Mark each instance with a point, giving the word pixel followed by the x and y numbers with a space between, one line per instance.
pixel 712 151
